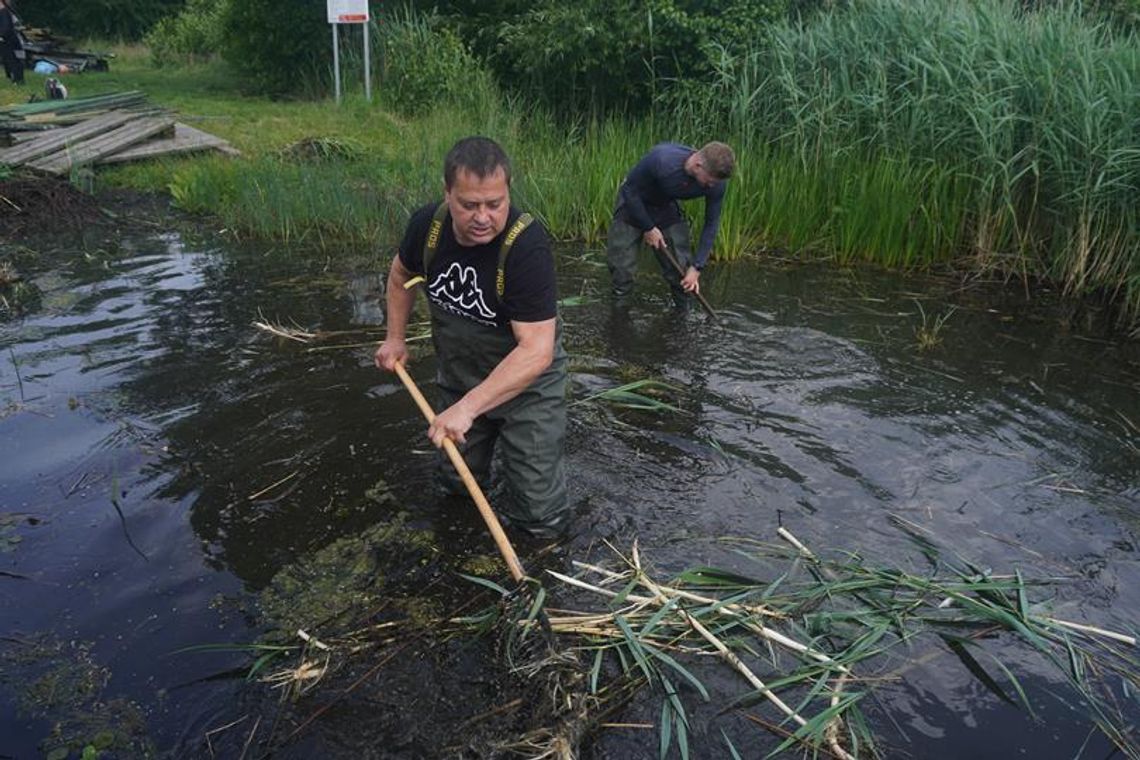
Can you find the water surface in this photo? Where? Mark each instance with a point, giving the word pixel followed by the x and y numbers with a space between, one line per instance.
pixel 161 459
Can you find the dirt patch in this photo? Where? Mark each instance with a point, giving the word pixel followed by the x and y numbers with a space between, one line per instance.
pixel 33 205
pixel 46 213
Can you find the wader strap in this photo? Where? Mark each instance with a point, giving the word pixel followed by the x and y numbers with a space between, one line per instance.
pixel 516 229
pixel 431 242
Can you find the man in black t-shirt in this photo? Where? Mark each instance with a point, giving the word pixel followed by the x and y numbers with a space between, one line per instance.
pixel 488 273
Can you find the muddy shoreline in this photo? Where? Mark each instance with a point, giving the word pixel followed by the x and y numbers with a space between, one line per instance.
pixel 47 214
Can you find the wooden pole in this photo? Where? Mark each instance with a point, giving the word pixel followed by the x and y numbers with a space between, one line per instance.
pixel 473 488
pixel 677 265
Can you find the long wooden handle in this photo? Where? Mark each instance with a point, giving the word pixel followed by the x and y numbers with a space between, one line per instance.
pixel 473 488
pixel 677 265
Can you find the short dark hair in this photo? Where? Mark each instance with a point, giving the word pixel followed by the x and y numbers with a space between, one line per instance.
pixel 479 155
pixel 718 159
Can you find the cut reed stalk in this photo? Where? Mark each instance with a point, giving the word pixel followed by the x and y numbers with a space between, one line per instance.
pixel 723 650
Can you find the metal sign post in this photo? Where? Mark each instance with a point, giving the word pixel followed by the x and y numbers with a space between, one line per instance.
pixel 350 12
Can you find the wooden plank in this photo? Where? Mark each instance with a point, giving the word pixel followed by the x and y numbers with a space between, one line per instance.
pixel 54 140
pixel 186 139
pixel 104 145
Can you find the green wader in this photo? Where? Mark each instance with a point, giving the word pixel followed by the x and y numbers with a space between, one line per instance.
pixel 530 428
pixel 622 244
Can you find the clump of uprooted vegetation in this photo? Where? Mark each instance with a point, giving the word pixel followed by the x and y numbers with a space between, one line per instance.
pixel 809 637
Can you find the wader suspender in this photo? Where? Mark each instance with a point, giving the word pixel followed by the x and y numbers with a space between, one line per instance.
pixel 431 243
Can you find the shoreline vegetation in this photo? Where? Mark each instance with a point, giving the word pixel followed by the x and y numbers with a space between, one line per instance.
pixel 919 134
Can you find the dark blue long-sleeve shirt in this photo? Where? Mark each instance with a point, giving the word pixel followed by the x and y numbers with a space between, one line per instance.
pixel 650 193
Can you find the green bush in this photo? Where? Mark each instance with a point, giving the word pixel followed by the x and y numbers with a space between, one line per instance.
pixel 278 46
pixel 425 63
pixel 607 54
pixel 196 32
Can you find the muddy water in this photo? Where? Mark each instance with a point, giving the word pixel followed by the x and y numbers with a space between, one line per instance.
pixel 161 460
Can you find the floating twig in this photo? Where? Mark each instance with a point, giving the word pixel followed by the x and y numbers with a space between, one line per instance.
pixel 271 486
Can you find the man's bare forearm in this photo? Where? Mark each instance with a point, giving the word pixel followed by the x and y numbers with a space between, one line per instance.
pixel 515 372
pixel 399 300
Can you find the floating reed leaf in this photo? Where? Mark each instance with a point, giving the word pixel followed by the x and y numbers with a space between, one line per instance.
pixel 628 397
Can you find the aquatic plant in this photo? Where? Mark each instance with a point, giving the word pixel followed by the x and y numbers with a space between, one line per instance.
pixel 812 636
pixel 62 682
pixel 328 589
pixel 1006 135
pixel 638 394
pixel 929 333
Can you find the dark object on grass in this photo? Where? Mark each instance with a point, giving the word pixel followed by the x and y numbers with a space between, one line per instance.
pixel 42 45
pixel 54 89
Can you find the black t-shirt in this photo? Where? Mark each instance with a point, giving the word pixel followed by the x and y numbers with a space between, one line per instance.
pixel 462 279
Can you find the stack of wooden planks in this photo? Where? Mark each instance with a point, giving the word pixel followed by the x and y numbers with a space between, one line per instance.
pixel 42 45
pixel 54 137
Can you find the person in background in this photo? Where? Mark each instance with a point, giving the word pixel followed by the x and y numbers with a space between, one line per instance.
pixel 647 212
pixel 11 48
pixel 488 273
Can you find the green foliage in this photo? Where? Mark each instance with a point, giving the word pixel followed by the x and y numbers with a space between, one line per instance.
pixel 906 134
pixel 277 45
pixel 1125 14
pixel 601 53
pixel 196 32
pixel 426 64
pixel 569 54
pixel 105 19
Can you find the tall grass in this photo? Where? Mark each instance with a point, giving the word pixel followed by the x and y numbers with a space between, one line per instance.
pixel 569 176
pixel 1018 130
pixel 365 199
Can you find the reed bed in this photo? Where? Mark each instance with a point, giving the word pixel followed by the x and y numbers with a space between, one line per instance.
pixel 1011 134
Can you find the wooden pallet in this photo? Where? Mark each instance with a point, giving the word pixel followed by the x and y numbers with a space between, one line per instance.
pixel 105 138
pixel 61 139
pixel 186 140
pixel 89 151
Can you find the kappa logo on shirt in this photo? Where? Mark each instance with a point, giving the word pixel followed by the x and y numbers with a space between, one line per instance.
pixel 457 290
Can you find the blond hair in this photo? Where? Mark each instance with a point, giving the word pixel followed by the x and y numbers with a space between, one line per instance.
pixel 718 159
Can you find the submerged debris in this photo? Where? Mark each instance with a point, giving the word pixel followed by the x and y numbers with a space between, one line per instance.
pixel 60 681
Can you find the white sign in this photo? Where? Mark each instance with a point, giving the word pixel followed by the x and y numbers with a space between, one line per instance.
pixel 348 11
